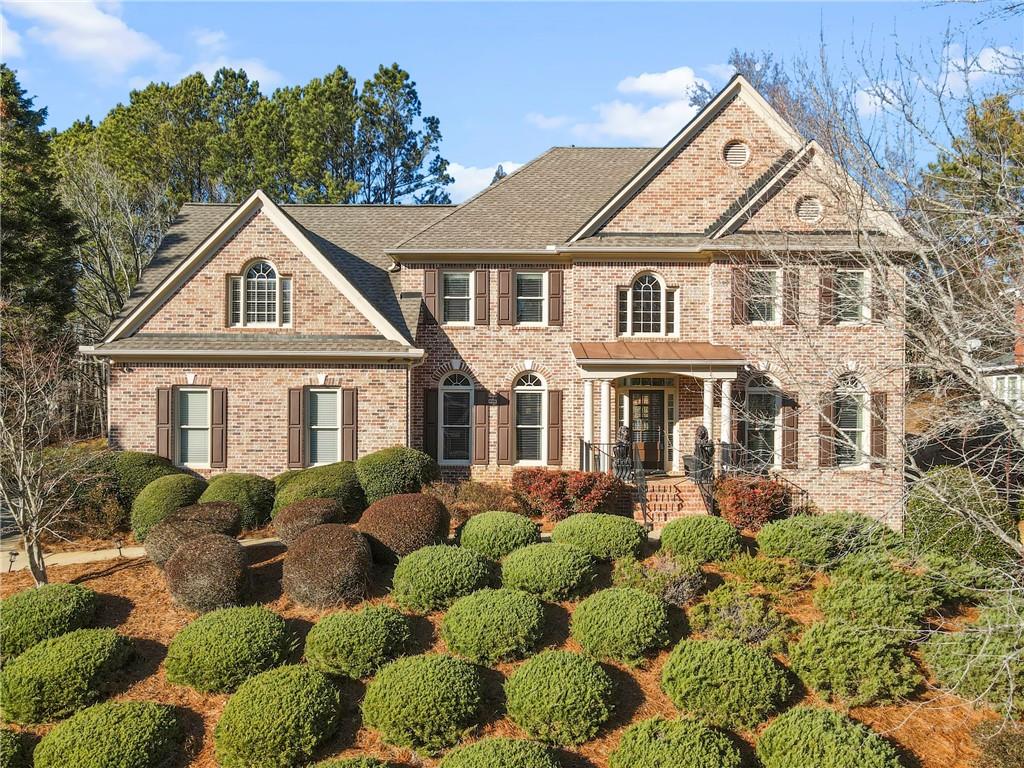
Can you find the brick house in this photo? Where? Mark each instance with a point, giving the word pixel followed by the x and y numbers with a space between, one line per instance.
pixel 712 282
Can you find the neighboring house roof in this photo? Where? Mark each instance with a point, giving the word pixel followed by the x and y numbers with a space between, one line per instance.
pixel 242 344
pixel 667 351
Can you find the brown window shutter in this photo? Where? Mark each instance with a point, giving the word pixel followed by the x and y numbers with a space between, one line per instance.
pixel 296 428
pixel 555 427
pixel 505 427
pixel 430 294
pixel 219 428
pixel 349 424
pixel 879 413
pixel 505 315
pixel 826 431
pixel 879 299
pixel 790 296
pixel 827 296
pixel 481 297
pixel 556 300
pixel 481 429
pixel 790 437
pixel 740 278
pixel 430 422
pixel 163 422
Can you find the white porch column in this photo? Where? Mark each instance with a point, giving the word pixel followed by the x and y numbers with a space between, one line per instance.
pixel 726 413
pixel 606 423
pixel 588 421
pixel 677 440
pixel 709 407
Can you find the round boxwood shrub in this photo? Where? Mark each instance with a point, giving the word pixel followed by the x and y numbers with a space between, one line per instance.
pixel 161 497
pixel 56 677
pixel 877 595
pixel 327 565
pixel 805 736
pixel 501 753
pixel 358 643
pixel 331 481
pixel 560 697
pixel 353 762
pixel 221 650
pixel 661 743
pixel 277 718
pixel 726 682
pixel 253 494
pixel 189 523
pixel 207 573
pixel 621 623
pixel 496 534
pixel 432 578
pixel 134 470
pixel 945 510
pixel 131 734
pixel 399 525
pixel 395 470
pixel 494 625
pixel 423 702
pixel 730 612
pixel 51 610
pixel 676 581
pixel 605 537
pixel 825 540
pixel 15 750
pixel 700 538
pixel 299 517
pixel 551 571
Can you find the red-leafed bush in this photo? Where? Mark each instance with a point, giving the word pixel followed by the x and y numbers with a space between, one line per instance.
pixel 556 494
pixel 752 503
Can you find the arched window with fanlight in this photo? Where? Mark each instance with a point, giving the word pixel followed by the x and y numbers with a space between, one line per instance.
pixel 455 422
pixel 647 308
pixel 762 429
pixel 528 396
pixel 260 297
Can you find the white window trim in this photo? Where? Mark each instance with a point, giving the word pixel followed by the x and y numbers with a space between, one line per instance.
pixel 472 297
pixel 336 429
pixel 543 298
pixel 543 391
pixel 629 332
pixel 279 280
pixel 777 440
pixel 778 298
pixel 863 446
pixel 445 387
pixel 1001 385
pixel 865 306
pixel 178 427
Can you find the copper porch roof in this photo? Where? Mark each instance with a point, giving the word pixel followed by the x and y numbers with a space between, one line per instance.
pixel 667 351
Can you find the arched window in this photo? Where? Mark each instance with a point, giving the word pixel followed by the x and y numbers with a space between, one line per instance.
pixel 647 308
pixel 529 403
pixel 850 422
pixel 762 406
pixel 260 297
pixel 455 424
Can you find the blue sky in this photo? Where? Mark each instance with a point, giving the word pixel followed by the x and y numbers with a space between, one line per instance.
pixel 506 80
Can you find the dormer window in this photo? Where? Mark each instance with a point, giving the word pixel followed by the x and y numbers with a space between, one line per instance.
pixel 647 308
pixel 260 297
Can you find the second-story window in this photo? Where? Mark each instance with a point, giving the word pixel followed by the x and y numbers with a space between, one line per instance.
pixel 456 297
pixel 763 296
pixel 646 308
pixel 851 296
pixel 260 297
pixel 530 298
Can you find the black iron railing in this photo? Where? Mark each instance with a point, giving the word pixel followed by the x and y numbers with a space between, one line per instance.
pixel 601 457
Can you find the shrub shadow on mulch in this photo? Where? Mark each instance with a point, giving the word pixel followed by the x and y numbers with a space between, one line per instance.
pixel 568 759
pixel 424 634
pixel 556 625
pixel 492 708
pixel 627 696
pixel 192 729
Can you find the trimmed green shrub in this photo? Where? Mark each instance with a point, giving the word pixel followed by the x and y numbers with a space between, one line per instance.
pixel 221 650
pixel 432 578
pixel 277 719
pixel 352 762
pixel 945 513
pixel 299 517
pixel 853 665
pixel 496 534
pixel 501 753
pixel 805 736
pixel 560 697
pixel 207 573
pixel 327 565
pixel 130 734
pixel 730 612
pixel 56 677
pixel 726 682
pixel 15 750
pixel 700 538
pixel 399 525
pixel 1001 744
pixel 621 623
pixel 823 541
pixel 358 643
pixel 134 470
pixel 494 625
pixel 973 662
pixel 395 470
pixel 872 593
pixel 188 523
pixel 253 494
pixel 780 576
pixel 282 478
pixel 51 610
pixel 605 537
pixel 550 571
pixel 425 703
pixel 661 743
pixel 331 481
pixel 161 497
pixel 677 582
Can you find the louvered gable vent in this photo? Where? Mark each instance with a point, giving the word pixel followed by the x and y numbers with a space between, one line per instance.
pixel 736 154
pixel 808 209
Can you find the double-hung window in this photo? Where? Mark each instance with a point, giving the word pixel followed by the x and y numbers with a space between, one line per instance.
pixel 323 413
pixel 761 414
pixel 530 298
pixel 763 296
pixel 193 410
pixel 260 297
pixel 456 297
pixel 851 296
pixel 528 396
pixel 850 424
pixel 456 422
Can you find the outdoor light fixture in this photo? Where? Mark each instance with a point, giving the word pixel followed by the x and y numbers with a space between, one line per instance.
pixel 12 557
pixel 118 543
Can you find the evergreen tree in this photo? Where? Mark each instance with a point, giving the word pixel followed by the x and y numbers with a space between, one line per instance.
pixel 499 174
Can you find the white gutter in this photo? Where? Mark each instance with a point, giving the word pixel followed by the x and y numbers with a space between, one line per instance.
pixel 406 355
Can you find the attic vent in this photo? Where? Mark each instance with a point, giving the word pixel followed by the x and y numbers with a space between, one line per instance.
pixel 736 154
pixel 808 210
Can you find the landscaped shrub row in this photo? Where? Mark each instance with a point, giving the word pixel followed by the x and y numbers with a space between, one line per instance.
pixel 550 571
pixel 357 643
pixel 15 750
pixel 254 496
pixel 327 565
pixel 822 541
pixel 556 494
pixel 496 534
pixel 661 743
pixel 299 516
pixel 622 624
pixel 134 470
pixel 188 523
pixel 605 537
pixel 501 753
pixel 161 497
pixel 730 612
pixel 395 470
pixel 870 592
pixel 207 573
pixel 433 577
pixel 331 481
pixel 804 737
pixel 494 625
pixel 702 539
pixel 469 498
pixel 399 525
pixel 49 611
pixel 676 581
pixel 769 573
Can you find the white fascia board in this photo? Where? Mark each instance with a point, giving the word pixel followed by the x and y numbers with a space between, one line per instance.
pixel 177 354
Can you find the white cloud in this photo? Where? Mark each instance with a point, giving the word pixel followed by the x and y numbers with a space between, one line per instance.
pixel 670 85
pixel 10 41
pixel 214 39
pixel 85 32
pixel 720 71
pixel 256 69
pixel 547 122
pixel 470 179
pixel 962 70
pixel 867 103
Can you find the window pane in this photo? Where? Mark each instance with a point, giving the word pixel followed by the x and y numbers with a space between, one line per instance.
pixel 456 310
pixel 194 446
pixel 623 310
pixel 323 409
pixel 286 301
pixel 762 296
pixel 670 312
pixel 530 310
pixel 850 296
pixel 455 443
pixel 261 294
pixel 193 408
pixel 236 301
pixel 647 305
pixel 456 284
pixel 528 409
pixel 529 284
pixel 849 426
pixel 528 443
pixel 323 446
pixel 456 409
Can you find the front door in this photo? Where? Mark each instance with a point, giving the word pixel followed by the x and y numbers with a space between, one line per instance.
pixel 647 412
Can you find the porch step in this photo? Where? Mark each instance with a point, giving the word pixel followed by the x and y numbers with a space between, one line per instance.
pixel 670 498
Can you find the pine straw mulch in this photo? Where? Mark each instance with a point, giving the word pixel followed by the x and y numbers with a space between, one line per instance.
pixel 933 731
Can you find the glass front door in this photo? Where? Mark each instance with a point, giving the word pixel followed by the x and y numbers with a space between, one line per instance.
pixel 647 416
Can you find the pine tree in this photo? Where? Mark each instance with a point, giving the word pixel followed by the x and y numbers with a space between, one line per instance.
pixel 499 174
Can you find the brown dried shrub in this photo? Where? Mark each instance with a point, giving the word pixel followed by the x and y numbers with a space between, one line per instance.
pixel 471 497
pixel 300 516
pixel 207 573
pixel 327 565
pixel 401 524
pixel 190 523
